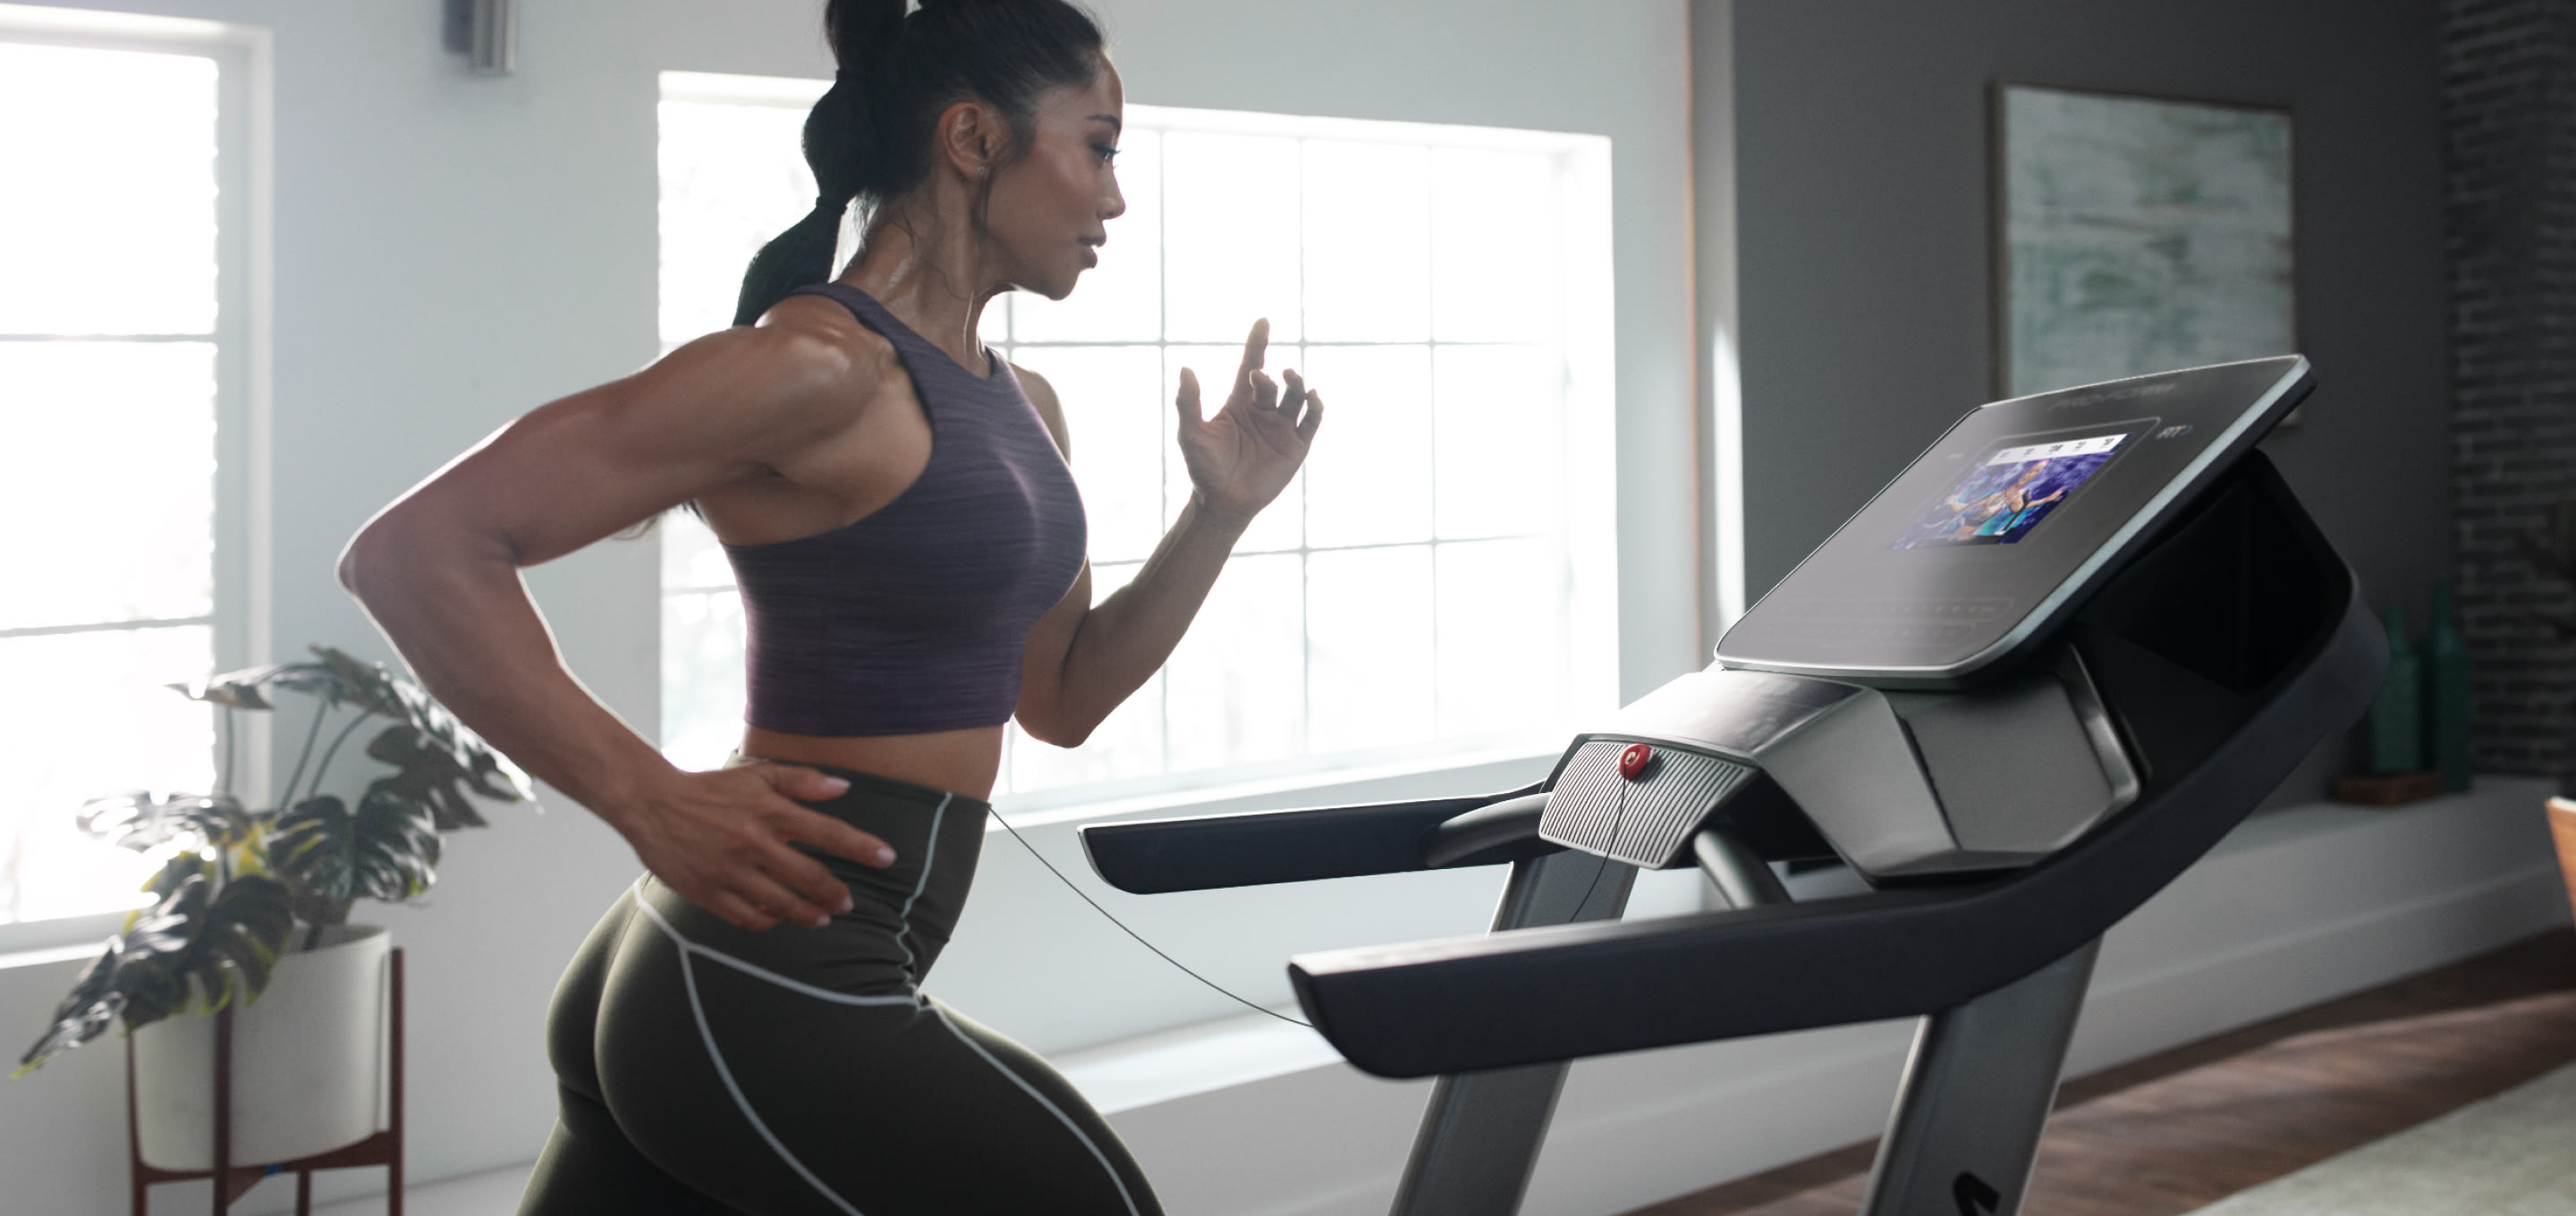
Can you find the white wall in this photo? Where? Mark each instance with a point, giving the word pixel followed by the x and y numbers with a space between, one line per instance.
pixel 451 251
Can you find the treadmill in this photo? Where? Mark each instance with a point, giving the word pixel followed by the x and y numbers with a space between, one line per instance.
pixel 2041 673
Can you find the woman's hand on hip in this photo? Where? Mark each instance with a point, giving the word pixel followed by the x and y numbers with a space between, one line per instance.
pixel 721 839
pixel 1244 456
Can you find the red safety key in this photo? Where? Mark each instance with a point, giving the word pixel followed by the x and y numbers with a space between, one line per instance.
pixel 1633 761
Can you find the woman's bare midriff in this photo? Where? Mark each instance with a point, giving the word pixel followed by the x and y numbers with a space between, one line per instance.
pixel 958 761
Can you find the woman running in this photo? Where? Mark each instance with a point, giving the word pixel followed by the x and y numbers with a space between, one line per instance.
pixel 744 1031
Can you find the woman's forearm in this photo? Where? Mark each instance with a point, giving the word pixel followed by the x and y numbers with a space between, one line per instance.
pixel 1125 638
pixel 460 616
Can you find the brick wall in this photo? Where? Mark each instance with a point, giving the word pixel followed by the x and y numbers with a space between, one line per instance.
pixel 2509 117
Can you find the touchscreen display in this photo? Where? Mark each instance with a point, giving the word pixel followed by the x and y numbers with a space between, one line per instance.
pixel 1977 552
pixel 2008 493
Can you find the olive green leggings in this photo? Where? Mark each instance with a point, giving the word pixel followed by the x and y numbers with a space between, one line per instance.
pixel 704 1068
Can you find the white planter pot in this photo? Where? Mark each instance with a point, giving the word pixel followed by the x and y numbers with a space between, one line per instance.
pixel 308 1061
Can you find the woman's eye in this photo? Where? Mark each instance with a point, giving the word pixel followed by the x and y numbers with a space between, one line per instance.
pixel 1108 155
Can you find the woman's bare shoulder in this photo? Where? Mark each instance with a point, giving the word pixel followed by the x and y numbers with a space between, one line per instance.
pixel 1050 410
pixel 807 368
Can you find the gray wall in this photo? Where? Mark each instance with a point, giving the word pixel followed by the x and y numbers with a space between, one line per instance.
pixel 1860 128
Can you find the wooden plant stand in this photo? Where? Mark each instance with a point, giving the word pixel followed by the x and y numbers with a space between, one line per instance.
pixel 231 1181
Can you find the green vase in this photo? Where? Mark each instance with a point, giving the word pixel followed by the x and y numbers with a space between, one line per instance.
pixel 2397 717
pixel 2446 694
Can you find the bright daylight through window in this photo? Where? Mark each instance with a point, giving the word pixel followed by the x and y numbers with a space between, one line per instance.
pixel 112 350
pixel 1428 585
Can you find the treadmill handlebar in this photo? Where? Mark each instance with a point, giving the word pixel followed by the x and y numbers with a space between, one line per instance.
pixel 1557 992
pixel 1205 852
pixel 1489 835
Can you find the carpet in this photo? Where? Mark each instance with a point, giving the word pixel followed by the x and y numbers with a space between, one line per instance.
pixel 2511 1155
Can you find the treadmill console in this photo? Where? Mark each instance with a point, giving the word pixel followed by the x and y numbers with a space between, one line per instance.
pixel 1978 551
pixel 1908 689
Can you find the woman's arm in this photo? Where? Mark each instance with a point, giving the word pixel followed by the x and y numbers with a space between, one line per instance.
pixel 1083 659
pixel 439 571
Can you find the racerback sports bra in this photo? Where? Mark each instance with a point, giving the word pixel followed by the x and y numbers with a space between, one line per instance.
pixel 914 618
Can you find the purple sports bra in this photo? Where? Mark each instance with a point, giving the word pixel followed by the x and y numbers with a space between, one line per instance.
pixel 913 619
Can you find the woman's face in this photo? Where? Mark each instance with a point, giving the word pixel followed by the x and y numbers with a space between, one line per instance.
pixel 1049 210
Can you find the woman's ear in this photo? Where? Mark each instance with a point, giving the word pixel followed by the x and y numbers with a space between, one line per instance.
pixel 972 138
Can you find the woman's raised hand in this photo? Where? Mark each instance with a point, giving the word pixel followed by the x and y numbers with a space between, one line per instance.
pixel 721 840
pixel 1243 457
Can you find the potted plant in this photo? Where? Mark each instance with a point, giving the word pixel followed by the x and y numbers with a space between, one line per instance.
pixel 252 902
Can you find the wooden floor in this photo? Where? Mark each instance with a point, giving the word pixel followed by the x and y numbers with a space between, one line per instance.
pixel 2173 1132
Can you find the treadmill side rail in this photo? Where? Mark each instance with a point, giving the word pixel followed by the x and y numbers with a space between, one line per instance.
pixel 1156 856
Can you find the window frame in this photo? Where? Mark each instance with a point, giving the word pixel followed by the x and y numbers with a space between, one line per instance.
pixel 241 606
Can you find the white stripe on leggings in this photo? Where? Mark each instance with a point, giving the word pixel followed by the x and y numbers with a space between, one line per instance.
pixel 903 919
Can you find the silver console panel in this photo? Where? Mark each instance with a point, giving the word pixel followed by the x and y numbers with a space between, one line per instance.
pixel 1901 784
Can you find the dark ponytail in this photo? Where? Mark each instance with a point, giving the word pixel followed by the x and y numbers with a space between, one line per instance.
pixel 870 138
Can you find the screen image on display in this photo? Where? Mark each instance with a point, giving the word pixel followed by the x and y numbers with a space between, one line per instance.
pixel 2008 493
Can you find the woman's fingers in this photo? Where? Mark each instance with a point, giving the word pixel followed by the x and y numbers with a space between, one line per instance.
pixel 805 878
pixel 758 891
pixel 795 822
pixel 730 847
pixel 750 858
pixel 1256 347
pixel 832 836
pixel 1188 400
pixel 1265 391
pixel 786 892
pixel 1314 417
pixel 805 784
pixel 735 910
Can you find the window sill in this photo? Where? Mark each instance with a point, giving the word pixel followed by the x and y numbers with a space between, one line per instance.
pixel 42 941
pixel 12 960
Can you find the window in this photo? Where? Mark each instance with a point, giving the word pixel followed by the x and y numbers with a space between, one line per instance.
pixel 124 365
pixel 1437 581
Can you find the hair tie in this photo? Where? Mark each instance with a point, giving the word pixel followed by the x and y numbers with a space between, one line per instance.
pixel 825 202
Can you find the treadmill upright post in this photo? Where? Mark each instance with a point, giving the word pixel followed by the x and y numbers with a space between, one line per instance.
pixel 1977 1091
pixel 1480 1134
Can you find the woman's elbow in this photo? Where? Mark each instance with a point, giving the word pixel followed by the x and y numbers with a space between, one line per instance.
pixel 1055 728
pixel 360 562
pixel 369 559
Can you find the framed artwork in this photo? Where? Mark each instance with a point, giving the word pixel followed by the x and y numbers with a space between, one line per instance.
pixel 2135 235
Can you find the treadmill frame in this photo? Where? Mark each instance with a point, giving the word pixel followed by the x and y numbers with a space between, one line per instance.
pixel 2224 652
